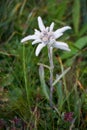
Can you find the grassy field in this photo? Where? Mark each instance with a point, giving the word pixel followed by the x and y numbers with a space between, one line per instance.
pixel 24 86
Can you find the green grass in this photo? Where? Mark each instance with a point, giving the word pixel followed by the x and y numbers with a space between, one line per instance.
pixel 22 93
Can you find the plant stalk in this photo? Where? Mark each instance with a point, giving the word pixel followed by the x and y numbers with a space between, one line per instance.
pixel 25 74
pixel 50 55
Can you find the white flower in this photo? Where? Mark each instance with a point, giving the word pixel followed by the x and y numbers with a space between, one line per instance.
pixel 46 36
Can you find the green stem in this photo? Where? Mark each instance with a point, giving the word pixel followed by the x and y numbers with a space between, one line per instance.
pixel 50 55
pixel 25 74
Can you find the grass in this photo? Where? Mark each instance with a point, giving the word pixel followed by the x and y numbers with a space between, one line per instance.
pixel 23 94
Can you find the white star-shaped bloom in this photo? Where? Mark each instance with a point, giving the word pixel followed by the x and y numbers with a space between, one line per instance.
pixel 46 36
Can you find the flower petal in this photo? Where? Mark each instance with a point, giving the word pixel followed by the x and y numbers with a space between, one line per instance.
pixel 30 37
pixel 52 26
pixel 37 32
pixel 61 30
pixel 47 28
pixel 36 41
pixel 39 48
pixel 40 24
pixel 61 45
pixel 57 35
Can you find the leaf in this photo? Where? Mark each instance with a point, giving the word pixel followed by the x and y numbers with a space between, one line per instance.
pixel 77 46
pixel 61 8
pixel 80 43
pixel 76 15
pixel 77 109
pixel 15 9
pixel 60 76
pixel 83 30
pixel 43 85
pixel 60 95
pixel 84 11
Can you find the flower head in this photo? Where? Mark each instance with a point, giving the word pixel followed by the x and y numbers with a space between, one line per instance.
pixel 68 116
pixel 46 36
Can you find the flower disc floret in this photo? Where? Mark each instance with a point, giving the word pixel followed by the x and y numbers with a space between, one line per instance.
pixel 46 37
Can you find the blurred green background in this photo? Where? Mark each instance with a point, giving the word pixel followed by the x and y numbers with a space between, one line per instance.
pixel 21 93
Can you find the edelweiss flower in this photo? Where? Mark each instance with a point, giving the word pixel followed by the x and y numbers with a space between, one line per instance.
pixel 46 36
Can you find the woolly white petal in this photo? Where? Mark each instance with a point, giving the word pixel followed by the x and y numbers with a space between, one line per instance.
pixel 52 26
pixel 57 35
pixel 37 32
pixel 61 45
pixel 39 48
pixel 47 28
pixel 40 24
pixel 36 41
pixel 61 30
pixel 30 37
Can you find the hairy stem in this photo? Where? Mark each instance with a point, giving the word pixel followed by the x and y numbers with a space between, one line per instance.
pixel 50 55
